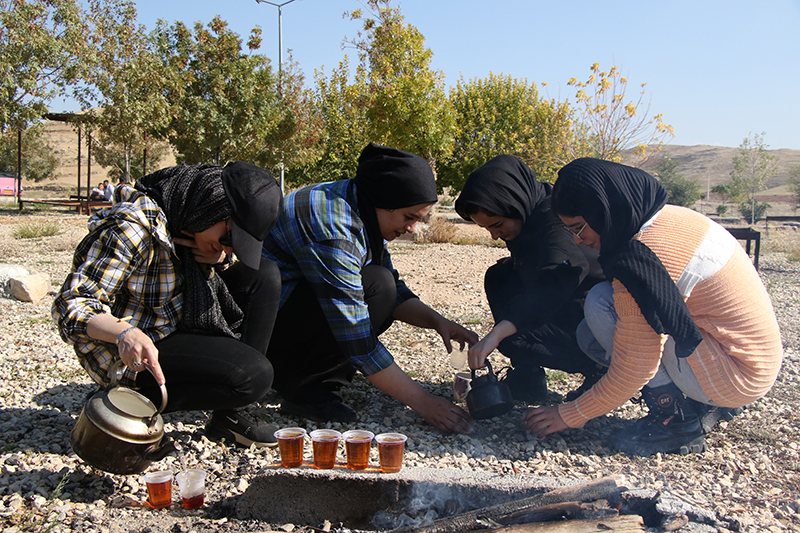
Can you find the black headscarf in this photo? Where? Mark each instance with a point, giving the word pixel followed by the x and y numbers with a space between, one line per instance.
pixel 193 199
pixel 504 186
pixel 616 200
pixel 388 178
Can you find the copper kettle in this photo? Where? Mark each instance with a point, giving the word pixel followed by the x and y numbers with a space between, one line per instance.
pixel 120 430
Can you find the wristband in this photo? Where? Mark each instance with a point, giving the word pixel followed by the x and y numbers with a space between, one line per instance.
pixel 119 337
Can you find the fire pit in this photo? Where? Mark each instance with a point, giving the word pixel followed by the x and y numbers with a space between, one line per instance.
pixel 375 501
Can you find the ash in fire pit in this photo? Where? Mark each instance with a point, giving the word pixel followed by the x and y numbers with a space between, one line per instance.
pixel 375 501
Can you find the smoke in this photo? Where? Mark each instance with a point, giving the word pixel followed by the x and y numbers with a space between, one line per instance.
pixel 424 505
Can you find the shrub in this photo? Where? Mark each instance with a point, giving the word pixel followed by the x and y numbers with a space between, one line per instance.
pixel 34 231
pixel 440 230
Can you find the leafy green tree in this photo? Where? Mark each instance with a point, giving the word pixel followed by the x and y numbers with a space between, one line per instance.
pixel 681 191
pixel 753 167
pixel 753 212
pixel 613 124
pixel 126 86
pixel 42 47
pixel 501 115
pixel 343 108
pixel 225 101
pixel 39 161
pixel 407 105
pixel 723 190
pixel 122 163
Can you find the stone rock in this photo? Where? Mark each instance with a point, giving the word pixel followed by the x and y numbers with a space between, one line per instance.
pixel 31 288
pixel 8 271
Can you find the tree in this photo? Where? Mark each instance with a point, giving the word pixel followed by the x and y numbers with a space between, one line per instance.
pixel 225 101
pixel 753 167
pixel 342 107
pixel 127 85
pixel 614 125
pixel 794 183
pixel 681 191
pixel 723 190
pixel 122 163
pixel 407 106
pixel 39 161
pixel 42 45
pixel 501 115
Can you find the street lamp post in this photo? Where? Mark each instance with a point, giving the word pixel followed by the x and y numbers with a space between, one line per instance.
pixel 280 54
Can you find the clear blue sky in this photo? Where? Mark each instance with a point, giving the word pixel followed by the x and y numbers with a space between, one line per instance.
pixel 716 69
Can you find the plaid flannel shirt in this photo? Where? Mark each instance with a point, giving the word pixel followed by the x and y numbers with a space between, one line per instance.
pixel 125 266
pixel 320 237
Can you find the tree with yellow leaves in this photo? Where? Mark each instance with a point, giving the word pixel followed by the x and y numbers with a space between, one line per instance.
pixel 613 124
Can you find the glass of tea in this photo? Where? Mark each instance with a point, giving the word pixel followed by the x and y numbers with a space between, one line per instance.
pixel 290 444
pixel 159 488
pixel 325 443
pixel 192 486
pixel 390 450
pixel 357 443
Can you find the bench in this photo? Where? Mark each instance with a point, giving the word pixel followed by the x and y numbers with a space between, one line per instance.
pixel 748 235
pixel 80 204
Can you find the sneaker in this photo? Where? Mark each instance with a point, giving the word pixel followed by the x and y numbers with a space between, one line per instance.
pixel 241 429
pixel 709 415
pixel 323 411
pixel 528 385
pixel 588 383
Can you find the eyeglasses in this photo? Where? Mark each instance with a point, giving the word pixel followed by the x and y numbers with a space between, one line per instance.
pixel 576 233
pixel 227 239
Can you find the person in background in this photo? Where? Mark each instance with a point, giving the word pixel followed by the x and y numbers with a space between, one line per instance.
pixel 97 193
pixel 684 316
pixel 340 290
pixel 535 294
pixel 108 191
pixel 155 285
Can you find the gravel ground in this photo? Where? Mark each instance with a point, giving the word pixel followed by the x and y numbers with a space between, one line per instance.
pixel 748 479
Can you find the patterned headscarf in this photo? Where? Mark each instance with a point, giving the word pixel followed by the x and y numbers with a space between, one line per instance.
pixel 193 200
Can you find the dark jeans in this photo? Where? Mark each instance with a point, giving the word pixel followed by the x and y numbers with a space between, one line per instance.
pixel 206 372
pixel 309 364
pixel 550 345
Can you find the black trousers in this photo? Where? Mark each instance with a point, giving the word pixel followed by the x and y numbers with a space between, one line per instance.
pixel 207 372
pixel 309 364
pixel 550 345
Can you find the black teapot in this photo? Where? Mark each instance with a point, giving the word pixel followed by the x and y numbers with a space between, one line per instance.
pixel 488 396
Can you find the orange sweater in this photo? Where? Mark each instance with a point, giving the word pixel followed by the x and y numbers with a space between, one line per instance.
pixel 740 356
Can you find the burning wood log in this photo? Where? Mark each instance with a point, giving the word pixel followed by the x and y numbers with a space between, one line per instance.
pixel 618 524
pixel 602 489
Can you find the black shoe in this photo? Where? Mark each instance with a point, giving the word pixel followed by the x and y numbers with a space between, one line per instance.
pixel 709 415
pixel 654 434
pixel 239 428
pixel 322 411
pixel 672 426
pixel 528 384
pixel 588 383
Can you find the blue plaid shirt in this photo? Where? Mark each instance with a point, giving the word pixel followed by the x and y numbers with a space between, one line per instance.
pixel 125 266
pixel 319 236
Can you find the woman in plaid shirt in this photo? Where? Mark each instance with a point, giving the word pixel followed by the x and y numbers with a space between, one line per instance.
pixel 200 322
pixel 340 290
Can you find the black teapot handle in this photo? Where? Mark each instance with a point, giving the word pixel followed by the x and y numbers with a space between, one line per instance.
pixel 488 365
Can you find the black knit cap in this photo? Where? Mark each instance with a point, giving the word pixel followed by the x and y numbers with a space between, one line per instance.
pixel 391 178
pixel 255 200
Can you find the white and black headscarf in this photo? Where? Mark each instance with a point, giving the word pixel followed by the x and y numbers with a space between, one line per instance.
pixel 616 200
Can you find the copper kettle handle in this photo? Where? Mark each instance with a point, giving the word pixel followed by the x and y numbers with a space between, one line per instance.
pixel 115 372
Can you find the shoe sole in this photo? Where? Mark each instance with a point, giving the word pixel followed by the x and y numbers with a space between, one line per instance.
pixel 235 438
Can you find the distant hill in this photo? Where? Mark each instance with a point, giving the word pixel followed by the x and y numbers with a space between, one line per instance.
pixel 712 165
